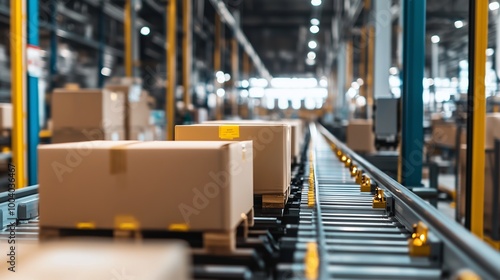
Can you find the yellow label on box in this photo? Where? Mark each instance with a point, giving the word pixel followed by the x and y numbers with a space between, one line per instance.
pixel 229 132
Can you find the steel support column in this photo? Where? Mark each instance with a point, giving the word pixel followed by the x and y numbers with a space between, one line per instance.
pixel 33 98
pixel 18 90
pixel 53 45
pixel 171 67
pixel 412 142
pixel 476 115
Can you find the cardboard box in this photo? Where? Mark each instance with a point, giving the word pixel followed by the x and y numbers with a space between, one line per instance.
pixel 65 135
pixel 271 148
pixel 87 108
pixel 360 136
pixel 99 259
pixel 153 185
pixel 147 133
pixel 5 116
pixel 296 132
pixel 444 134
pixel 492 129
pixel 489 172
pixel 136 104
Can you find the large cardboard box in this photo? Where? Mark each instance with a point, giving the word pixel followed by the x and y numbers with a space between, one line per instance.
pixel 5 116
pixel 360 136
pixel 65 135
pixel 271 148
pixel 99 259
pixel 296 132
pixel 154 185
pixel 87 108
pixel 489 173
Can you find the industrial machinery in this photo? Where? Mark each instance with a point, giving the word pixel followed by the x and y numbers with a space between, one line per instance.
pixel 344 219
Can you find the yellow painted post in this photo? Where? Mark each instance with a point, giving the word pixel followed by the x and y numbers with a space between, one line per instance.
pixel 235 77
pixel 128 37
pixel 217 65
pixel 187 47
pixel 18 90
pixel 480 41
pixel 171 67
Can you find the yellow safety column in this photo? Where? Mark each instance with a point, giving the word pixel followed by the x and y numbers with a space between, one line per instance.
pixel 128 38
pixel 187 50
pixel 171 67
pixel 18 90
pixel 217 66
pixel 235 77
pixel 476 118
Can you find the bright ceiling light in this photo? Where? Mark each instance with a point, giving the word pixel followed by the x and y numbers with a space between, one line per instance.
pixel 145 30
pixel 312 44
pixel 310 62
pixel 393 71
pixel 311 55
pixel 318 2
pixel 435 39
pixel 314 29
pixel 459 24
pixel 105 71
pixel 493 6
pixel 490 52
pixel 221 92
pixel 314 21
pixel 245 84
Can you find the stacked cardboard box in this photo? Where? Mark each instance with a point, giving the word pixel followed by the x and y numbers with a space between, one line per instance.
pixel 95 259
pixel 5 116
pixel 204 186
pixel 137 112
pixel 444 134
pixel 87 114
pixel 271 148
pixel 360 136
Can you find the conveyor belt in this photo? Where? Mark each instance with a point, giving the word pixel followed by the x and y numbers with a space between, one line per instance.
pixel 356 241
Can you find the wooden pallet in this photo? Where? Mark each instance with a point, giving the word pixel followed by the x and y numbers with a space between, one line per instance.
pixel 215 242
pixel 275 201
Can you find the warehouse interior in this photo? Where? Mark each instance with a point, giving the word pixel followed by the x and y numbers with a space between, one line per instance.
pixel 249 139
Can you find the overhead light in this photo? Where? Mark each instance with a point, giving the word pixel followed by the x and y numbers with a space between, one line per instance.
pixel 493 6
pixel 435 39
pixel 310 62
pixel 314 29
pixel 490 52
pixel 145 30
pixel 360 81
pixel 311 55
pixel 245 83
pixel 105 71
pixel 312 44
pixel 221 92
pixel 393 71
pixel 459 24
pixel 355 85
pixel 314 21
pixel 318 2
pixel 227 77
pixel 323 82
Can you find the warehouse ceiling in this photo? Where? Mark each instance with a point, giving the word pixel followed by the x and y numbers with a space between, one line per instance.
pixel 279 31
